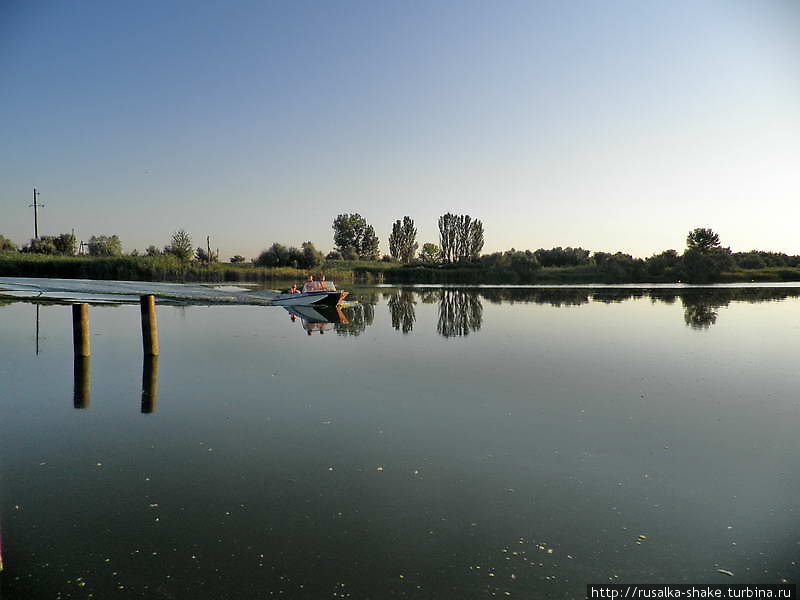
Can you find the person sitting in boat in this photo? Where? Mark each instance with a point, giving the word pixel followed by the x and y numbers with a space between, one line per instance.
pixel 325 285
pixel 294 289
pixel 311 285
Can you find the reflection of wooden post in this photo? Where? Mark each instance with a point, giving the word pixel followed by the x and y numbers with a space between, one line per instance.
pixel 82 395
pixel 80 330
pixel 149 384
pixel 149 325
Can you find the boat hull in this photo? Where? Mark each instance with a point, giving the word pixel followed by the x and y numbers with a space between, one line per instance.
pixel 318 313
pixel 310 299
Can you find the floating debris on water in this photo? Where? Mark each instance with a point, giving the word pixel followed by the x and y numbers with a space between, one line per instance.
pixel 725 572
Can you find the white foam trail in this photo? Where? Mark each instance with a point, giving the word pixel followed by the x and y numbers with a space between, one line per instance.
pixel 90 290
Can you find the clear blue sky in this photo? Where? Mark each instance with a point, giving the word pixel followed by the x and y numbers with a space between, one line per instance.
pixel 615 125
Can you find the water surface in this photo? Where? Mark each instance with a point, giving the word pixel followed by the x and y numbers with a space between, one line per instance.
pixel 436 443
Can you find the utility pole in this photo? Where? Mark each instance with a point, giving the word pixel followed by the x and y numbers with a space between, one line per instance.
pixel 208 246
pixel 36 206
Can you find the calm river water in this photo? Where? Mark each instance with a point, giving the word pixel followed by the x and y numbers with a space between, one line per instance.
pixel 432 444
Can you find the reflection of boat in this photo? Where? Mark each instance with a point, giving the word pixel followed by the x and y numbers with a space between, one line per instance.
pixel 317 318
pixel 315 293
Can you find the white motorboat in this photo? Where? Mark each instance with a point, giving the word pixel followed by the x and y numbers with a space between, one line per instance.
pixel 315 293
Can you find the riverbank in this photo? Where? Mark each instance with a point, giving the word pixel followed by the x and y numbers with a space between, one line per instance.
pixel 170 269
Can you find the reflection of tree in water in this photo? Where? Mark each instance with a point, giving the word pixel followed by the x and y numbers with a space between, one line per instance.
pixel 700 310
pixel 577 296
pixel 461 310
pixel 699 316
pixel 552 296
pixel 401 308
pixel 615 297
pixel 700 304
pixel 459 313
pixel 360 315
pixel 665 298
pixel 429 296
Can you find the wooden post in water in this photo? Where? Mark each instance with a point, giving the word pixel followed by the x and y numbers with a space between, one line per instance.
pixel 82 395
pixel 149 325
pixel 149 384
pixel 80 330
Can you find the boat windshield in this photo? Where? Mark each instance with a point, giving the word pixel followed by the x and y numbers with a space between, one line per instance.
pixel 319 286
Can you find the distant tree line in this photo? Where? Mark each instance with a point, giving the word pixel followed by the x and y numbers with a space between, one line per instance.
pixel 63 245
pixel 104 245
pixel 403 240
pixel 278 255
pixel 6 245
pixel 355 238
pixel 461 240
pixel 66 244
pixel 703 261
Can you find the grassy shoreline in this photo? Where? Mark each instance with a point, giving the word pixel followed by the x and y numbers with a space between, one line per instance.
pixel 169 268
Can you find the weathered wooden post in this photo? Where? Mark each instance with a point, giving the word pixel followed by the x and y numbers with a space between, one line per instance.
pixel 149 384
pixel 149 325
pixel 82 394
pixel 80 330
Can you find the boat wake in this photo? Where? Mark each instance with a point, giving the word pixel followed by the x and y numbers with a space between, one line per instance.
pixel 125 292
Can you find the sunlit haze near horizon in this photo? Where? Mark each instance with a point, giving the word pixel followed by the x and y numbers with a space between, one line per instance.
pixel 607 125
